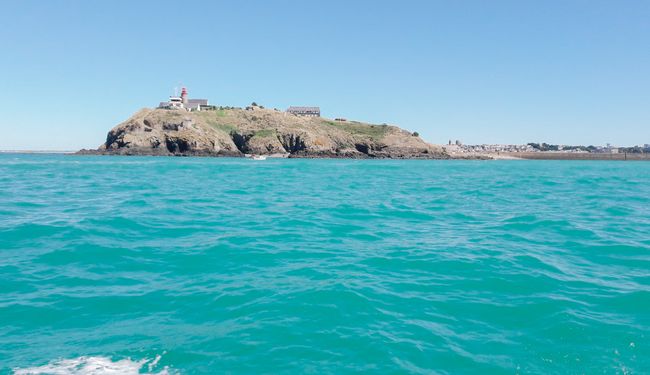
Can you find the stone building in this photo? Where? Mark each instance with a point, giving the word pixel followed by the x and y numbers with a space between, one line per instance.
pixel 304 111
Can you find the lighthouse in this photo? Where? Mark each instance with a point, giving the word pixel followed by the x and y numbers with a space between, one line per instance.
pixel 184 97
pixel 183 102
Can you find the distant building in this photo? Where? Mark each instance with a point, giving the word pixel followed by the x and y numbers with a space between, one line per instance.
pixel 183 102
pixel 304 111
pixel 174 102
pixel 196 104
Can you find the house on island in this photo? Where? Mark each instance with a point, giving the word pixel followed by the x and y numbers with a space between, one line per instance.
pixel 183 102
pixel 304 111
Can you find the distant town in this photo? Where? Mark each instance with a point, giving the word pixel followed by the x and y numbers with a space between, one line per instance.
pixel 459 147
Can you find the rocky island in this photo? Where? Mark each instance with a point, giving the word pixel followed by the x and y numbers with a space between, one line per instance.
pixel 228 131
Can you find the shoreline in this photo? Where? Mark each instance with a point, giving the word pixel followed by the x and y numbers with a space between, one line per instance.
pixel 574 156
pixel 297 155
pixel 566 156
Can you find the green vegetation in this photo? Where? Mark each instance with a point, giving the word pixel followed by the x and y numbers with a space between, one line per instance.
pixel 355 127
pixel 549 147
pixel 591 148
pixel 225 127
pixel 212 118
pixel 265 133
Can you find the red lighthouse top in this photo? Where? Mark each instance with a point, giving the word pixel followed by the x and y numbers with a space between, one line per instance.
pixel 183 92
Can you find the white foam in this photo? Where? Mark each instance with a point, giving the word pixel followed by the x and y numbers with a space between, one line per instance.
pixel 94 366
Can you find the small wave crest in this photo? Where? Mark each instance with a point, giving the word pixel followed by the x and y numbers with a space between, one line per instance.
pixel 96 366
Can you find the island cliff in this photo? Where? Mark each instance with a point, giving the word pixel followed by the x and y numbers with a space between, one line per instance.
pixel 256 130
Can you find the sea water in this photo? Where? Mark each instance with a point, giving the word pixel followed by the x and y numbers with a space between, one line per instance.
pixel 212 265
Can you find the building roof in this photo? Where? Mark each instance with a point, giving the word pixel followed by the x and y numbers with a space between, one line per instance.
pixel 303 109
pixel 197 101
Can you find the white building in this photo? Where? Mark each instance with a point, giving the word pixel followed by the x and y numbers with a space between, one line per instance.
pixel 183 102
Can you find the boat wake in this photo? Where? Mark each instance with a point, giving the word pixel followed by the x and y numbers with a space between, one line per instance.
pixel 96 366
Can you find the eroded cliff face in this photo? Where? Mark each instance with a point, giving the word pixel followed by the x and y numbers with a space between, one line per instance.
pixel 235 132
pixel 161 132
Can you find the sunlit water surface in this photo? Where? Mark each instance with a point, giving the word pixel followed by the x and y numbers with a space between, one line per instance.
pixel 201 265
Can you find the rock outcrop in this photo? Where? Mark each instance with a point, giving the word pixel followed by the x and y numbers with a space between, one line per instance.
pixel 235 132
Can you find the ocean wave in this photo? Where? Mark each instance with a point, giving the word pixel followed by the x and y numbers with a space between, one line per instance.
pixel 295 266
pixel 97 366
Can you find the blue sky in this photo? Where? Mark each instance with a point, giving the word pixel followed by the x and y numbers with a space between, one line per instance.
pixel 569 72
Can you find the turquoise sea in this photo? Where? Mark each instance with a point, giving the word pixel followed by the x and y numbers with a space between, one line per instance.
pixel 208 265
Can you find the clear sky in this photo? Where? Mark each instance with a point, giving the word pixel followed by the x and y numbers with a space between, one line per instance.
pixel 568 72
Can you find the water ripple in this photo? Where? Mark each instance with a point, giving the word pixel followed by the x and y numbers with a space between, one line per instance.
pixel 324 266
